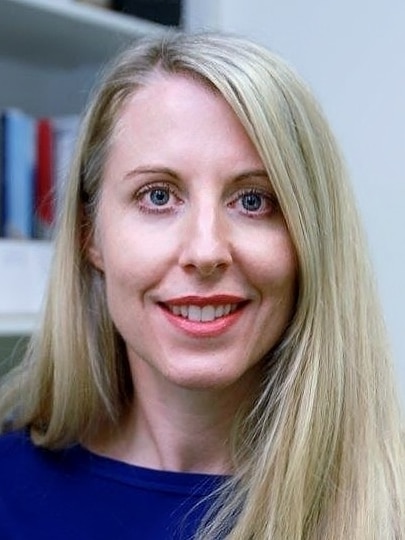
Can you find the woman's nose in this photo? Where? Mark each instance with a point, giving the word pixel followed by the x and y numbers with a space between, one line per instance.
pixel 206 246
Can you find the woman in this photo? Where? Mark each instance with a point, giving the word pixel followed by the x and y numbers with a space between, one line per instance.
pixel 211 320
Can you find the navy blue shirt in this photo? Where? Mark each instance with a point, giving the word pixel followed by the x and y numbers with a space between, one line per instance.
pixel 74 494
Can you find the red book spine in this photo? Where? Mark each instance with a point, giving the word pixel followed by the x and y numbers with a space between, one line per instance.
pixel 44 189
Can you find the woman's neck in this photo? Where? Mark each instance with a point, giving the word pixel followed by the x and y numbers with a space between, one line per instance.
pixel 176 429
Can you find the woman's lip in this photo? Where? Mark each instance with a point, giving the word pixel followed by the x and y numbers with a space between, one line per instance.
pixel 201 301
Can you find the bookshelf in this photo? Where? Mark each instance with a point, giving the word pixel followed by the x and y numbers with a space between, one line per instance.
pixel 50 54
pixel 24 268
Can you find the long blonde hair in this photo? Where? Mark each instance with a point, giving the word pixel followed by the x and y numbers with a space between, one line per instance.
pixel 320 455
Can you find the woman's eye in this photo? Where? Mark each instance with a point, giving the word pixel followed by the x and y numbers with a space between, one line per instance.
pixel 157 199
pixel 254 203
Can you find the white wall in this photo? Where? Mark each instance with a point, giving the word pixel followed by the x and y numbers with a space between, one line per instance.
pixel 353 55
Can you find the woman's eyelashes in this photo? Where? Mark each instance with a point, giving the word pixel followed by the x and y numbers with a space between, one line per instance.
pixel 164 198
pixel 157 198
pixel 254 202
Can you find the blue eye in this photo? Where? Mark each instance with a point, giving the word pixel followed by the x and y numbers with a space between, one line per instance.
pixel 252 202
pixel 159 196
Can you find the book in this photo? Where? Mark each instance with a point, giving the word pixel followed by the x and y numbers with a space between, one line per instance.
pixel 19 136
pixel 44 192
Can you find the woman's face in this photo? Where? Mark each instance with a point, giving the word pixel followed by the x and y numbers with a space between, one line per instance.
pixel 199 266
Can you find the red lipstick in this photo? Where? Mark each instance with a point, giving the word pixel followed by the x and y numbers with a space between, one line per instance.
pixel 201 301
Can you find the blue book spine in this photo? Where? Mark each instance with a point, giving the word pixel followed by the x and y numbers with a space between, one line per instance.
pixel 19 165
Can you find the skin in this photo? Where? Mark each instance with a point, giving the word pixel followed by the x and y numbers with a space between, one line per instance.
pixel 187 210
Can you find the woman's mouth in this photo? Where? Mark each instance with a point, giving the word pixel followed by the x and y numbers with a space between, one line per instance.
pixel 206 313
pixel 210 316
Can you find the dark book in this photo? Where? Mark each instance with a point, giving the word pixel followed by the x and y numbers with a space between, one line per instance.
pixel 19 136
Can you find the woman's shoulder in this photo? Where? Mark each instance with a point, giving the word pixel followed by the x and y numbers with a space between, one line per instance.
pixel 72 493
pixel 13 444
pixel 21 459
pixel 17 463
pixel 17 454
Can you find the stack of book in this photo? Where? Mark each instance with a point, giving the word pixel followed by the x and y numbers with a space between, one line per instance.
pixel 35 155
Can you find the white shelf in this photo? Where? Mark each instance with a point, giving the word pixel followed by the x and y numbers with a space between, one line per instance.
pixel 24 269
pixel 17 325
pixel 65 34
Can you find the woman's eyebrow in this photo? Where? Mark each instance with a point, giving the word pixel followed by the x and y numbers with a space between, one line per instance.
pixel 251 174
pixel 150 169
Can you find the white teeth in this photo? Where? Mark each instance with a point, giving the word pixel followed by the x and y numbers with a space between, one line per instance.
pixel 208 313
pixel 194 313
pixel 176 310
pixel 203 314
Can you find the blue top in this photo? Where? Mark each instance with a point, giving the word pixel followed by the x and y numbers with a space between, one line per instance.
pixel 74 494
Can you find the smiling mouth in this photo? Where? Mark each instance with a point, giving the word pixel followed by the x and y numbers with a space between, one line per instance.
pixel 206 313
pixel 203 314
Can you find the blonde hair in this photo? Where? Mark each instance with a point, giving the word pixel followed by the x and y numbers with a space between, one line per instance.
pixel 320 455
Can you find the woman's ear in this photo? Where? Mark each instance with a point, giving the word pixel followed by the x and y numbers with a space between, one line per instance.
pixel 94 254
pixel 90 242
